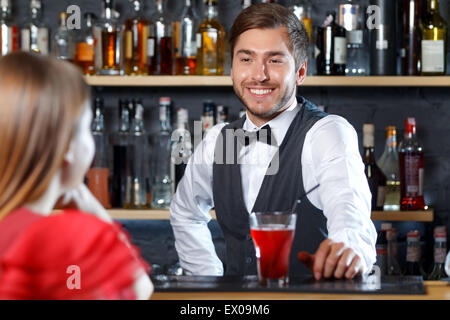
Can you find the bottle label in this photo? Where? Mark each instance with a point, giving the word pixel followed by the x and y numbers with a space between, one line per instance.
pixel 413 253
pixel 128 44
pixel 413 176
pixel 381 195
pixel 382 44
pixel 42 40
pixel 439 255
pixel 25 40
pixel 355 36
pixel 340 50
pixel 199 40
pixel 162 113
pixel 151 47
pixel 85 52
pixel 433 55
pixel 208 122
pixel 9 39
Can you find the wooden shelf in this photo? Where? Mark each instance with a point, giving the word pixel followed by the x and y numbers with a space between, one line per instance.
pixel 222 81
pixel 420 216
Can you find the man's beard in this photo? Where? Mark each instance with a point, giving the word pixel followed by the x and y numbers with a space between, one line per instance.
pixel 276 107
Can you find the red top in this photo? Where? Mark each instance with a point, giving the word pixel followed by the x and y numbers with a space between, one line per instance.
pixel 72 255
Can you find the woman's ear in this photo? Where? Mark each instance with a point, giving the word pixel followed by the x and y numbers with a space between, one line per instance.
pixel 68 162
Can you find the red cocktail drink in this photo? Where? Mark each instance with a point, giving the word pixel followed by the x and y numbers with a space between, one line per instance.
pixel 273 242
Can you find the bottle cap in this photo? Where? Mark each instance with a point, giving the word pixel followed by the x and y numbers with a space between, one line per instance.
pixel 368 135
pixel 410 125
pixel 164 100
pixel 415 234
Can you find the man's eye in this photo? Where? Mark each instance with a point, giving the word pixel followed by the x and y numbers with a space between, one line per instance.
pixel 245 59
pixel 275 61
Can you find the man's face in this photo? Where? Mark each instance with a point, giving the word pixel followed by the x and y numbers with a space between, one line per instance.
pixel 263 71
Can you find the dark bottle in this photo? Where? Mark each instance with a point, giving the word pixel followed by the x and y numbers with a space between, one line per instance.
pixel 413 265
pixel 331 55
pixel 393 266
pixel 440 251
pixel 382 34
pixel 382 248
pixel 411 36
pixel 411 169
pixel 208 116
pixel 98 174
pixel 121 157
pixel 375 177
pixel 164 41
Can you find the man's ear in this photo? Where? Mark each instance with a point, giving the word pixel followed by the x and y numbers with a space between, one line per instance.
pixel 301 73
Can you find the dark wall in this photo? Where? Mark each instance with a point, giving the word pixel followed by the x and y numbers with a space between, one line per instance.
pixel 383 106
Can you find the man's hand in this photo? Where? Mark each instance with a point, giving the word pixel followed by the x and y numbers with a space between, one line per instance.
pixel 332 259
pixel 82 199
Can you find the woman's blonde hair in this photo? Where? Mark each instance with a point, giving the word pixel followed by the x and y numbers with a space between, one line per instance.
pixel 41 101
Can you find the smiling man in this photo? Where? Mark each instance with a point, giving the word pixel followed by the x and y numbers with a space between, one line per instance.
pixel 334 234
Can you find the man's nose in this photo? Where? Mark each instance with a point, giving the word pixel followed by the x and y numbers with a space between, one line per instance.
pixel 260 72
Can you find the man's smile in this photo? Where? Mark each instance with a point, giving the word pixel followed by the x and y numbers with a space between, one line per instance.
pixel 260 92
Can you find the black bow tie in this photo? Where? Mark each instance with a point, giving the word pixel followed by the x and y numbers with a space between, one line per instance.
pixel 263 135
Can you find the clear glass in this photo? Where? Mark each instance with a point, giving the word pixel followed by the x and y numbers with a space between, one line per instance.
pixel 185 36
pixel 85 46
pixel 273 234
pixel 136 188
pixel 137 31
pixel 63 40
pixel 9 33
pixel 162 185
pixel 162 34
pixel 35 34
pixel 388 163
pixel 98 174
pixel 181 147
pixel 211 43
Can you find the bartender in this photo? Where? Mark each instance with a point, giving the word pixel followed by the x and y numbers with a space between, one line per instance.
pixel 334 235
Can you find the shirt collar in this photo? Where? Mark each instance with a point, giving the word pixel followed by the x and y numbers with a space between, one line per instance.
pixel 278 125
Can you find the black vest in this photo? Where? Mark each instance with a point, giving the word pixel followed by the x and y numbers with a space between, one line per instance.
pixel 278 192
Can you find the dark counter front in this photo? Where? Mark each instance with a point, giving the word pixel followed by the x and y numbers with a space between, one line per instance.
pixel 405 285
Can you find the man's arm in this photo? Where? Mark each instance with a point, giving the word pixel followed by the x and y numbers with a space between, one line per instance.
pixel 345 198
pixel 189 212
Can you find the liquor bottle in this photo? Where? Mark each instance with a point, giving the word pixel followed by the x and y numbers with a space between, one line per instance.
pixel 186 45
pixel 331 46
pixel 163 41
pixel 98 174
pixel 440 250
pixel 108 36
pixel 383 51
pixel 221 114
pixel 9 34
pixel 268 1
pixel 137 31
pixel 181 147
pixel 302 9
pixel 388 163
pixel 35 35
pixel 136 188
pixel 84 57
pixel 350 18
pixel 412 10
pixel 63 41
pixel 434 41
pixel 393 266
pixel 210 43
pixel 375 177
pixel 382 248
pixel 208 116
pixel 413 252
pixel 162 184
pixel 121 158
pixel 246 3
pixel 411 168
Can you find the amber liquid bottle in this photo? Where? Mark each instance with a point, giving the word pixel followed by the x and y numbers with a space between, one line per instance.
pixel 411 168
pixel 375 177
pixel 136 35
pixel 411 35
pixel 210 43
pixel 185 39
pixel 84 57
pixel 163 35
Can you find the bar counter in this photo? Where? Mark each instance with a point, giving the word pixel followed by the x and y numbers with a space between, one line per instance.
pixel 313 290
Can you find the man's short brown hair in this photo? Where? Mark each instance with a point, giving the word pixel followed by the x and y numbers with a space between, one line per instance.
pixel 272 16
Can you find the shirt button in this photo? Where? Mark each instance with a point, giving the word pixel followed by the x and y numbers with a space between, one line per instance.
pixel 248 260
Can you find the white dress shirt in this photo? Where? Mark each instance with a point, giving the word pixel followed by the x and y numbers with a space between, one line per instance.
pixel 330 156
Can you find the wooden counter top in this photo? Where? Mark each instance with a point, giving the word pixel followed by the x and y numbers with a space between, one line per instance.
pixel 435 290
